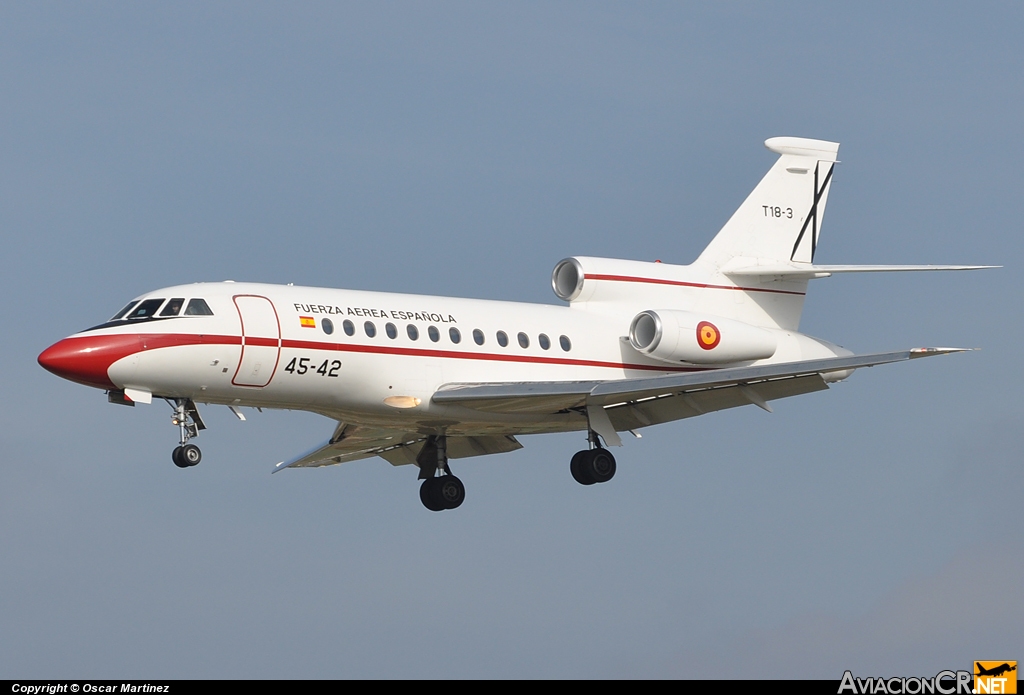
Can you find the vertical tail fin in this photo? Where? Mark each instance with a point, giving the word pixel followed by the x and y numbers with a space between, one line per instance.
pixel 780 220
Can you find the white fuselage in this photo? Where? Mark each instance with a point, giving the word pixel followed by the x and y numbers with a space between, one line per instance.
pixel 268 346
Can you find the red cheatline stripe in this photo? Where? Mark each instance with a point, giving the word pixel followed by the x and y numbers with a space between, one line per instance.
pixel 679 283
pixel 486 356
pixel 265 342
pixel 154 341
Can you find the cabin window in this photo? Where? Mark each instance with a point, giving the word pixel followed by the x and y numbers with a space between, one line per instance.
pixel 434 334
pixel 119 315
pixel 565 343
pixel 348 327
pixel 524 340
pixel 198 307
pixel 370 329
pixel 454 334
pixel 173 307
pixel 478 336
pixel 327 325
pixel 145 309
pixel 391 330
pixel 544 341
pixel 502 339
pixel 412 332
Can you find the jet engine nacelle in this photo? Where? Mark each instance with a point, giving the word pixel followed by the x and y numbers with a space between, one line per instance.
pixel 583 279
pixel 685 336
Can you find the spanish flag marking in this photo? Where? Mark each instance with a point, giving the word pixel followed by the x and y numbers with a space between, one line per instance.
pixel 307 321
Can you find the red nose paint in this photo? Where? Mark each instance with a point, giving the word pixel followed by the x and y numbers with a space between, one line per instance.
pixel 86 360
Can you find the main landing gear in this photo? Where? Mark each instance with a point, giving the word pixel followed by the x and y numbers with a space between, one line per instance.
pixel 593 465
pixel 186 417
pixel 440 489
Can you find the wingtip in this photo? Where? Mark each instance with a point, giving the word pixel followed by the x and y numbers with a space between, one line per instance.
pixel 929 351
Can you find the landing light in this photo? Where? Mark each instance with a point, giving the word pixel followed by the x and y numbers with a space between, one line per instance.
pixel 402 401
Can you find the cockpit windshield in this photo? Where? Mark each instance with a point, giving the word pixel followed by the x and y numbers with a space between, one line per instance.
pixel 145 309
pixel 120 315
pixel 173 307
pixel 198 307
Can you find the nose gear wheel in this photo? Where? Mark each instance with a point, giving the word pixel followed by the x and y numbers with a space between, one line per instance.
pixel 186 417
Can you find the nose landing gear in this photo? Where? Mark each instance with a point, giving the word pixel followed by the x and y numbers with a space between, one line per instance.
pixel 186 456
pixel 189 423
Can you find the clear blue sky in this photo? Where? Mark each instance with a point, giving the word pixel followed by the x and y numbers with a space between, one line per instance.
pixel 463 149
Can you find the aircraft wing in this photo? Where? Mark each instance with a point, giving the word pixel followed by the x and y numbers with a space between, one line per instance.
pixel 633 403
pixel 397 447
pixel 350 443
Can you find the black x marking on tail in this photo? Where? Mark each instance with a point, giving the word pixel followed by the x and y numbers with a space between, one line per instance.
pixel 812 216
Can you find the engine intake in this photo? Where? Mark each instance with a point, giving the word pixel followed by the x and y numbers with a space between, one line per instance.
pixel 567 279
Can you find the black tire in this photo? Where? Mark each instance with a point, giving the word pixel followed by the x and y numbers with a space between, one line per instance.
pixel 450 491
pixel 176 457
pixel 577 469
pixel 600 465
pixel 190 455
pixel 429 497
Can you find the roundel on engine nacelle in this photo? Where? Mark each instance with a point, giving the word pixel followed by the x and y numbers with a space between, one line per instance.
pixel 708 335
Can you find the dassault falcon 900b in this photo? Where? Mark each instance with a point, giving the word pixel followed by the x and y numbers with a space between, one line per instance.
pixel 422 380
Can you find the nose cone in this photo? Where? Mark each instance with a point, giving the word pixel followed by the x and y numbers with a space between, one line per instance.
pixel 86 359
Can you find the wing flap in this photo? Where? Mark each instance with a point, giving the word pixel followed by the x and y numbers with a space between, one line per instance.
pixel 677 406
pixel 553 396
pixel 457 448
pixel 517 397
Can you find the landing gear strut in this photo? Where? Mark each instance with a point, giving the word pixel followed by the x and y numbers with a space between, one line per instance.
pixel 186 417
pixel 593 465
pixel 440 489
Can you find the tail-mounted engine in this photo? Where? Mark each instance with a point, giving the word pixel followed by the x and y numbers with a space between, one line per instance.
pixel 684 336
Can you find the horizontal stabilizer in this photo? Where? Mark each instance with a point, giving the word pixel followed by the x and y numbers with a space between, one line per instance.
pixel 746 267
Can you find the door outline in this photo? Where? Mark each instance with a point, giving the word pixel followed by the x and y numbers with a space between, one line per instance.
pixel 241 358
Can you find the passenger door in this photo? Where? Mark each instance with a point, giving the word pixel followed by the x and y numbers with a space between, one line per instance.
pixel 261 341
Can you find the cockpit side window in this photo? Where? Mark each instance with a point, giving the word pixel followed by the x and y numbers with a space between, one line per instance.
pixel 120 315
pixel 198 307
pixel 173 307
pixel 145 309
